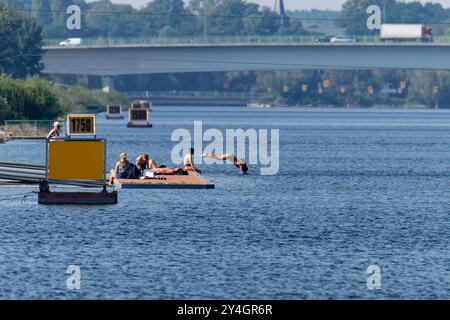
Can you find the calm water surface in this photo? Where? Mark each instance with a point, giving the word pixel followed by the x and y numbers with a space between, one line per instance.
pixel 355 188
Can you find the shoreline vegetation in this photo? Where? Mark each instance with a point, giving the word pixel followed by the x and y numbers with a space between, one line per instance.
pixel 36 99
pixel 268 105
pixel 27 94
pixel 338 88
pixel 399 107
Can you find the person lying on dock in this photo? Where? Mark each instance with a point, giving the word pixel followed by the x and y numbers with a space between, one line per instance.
pixel 162 171
pixel 238 163
pixel 143 162
pixel 169 171
pixel 55 132
pixel 123 170
pixel 188 162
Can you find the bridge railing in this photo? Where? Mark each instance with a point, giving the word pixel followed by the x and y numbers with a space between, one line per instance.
pixel 138 41
pixel 127 41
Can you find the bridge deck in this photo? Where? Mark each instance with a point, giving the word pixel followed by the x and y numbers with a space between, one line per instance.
pixel 112 61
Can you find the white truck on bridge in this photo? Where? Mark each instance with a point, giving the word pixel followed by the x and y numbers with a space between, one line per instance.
pixel 71 42
pixel 405 32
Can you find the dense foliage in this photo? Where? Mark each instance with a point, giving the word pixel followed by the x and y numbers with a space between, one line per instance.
pixel 35 99
pixel 169 18
pixel 157 18
pixel 20 44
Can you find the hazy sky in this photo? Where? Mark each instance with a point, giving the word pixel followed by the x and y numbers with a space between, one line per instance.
pixel 292 4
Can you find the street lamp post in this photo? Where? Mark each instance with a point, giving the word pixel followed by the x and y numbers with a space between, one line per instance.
pixel 205 21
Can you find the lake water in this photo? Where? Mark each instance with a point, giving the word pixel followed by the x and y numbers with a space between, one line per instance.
pixel 355 188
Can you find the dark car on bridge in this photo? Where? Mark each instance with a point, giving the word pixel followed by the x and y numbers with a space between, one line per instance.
pixel 323 39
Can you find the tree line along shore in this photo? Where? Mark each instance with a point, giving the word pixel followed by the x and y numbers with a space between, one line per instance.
pixel 29 22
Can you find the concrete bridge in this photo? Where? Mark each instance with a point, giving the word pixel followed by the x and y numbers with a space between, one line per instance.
pixel 113 60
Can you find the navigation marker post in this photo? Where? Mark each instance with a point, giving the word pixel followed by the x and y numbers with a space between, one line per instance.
pixel 138 115
pixel 77 160
pixel 114 112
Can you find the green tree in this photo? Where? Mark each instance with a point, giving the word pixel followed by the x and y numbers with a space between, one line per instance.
pixel 122 20
pixel 41 100
pixel 226 18
pixel 41 11
pixel 353 16
pixel 265 22
pixel 20 45
pixel 168 17
pixel 19 4
pixel 29 99
pixel 293 27
pixel 4 108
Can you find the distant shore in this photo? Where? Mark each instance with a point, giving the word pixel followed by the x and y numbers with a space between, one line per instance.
pixel 269 105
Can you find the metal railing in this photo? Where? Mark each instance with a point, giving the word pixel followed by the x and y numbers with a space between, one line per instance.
pixel 192 94
pixel 223 40
pixel 29 128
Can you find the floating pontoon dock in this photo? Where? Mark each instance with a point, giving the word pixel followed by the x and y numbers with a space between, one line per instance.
pixel 191 181
pixel 26 173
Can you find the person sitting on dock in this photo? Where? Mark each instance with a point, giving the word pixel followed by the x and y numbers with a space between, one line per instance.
pixel 188 162
pixel 238 163
pixel 123 169
pixel 56 131
pixel 143 162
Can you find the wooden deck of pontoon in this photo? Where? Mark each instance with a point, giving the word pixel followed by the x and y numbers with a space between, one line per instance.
pixel 192 181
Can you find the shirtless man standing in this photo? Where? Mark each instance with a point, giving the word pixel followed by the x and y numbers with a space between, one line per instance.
pixel 238 163
pixel 143 162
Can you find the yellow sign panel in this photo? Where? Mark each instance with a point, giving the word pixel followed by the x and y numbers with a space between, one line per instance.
pixel 76 160
pixel 81 124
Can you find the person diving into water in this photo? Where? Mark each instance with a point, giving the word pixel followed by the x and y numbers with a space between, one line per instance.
pixel 238 163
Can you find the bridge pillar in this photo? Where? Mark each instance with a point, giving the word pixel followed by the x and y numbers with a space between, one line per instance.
pixel 108 84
